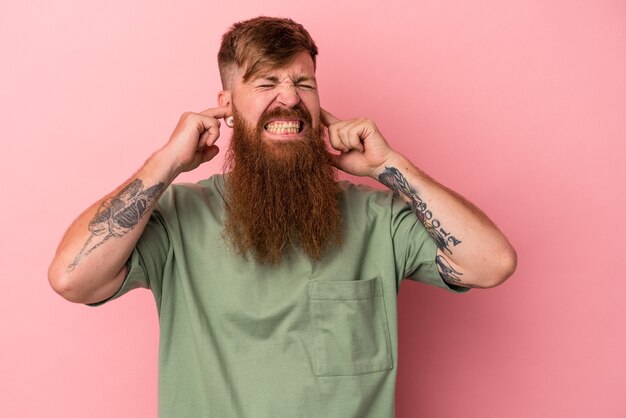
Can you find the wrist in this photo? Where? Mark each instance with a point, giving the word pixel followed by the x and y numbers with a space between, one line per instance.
pixel 162 167
pixel 394 160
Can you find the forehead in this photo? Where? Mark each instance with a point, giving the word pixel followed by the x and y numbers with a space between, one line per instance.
pixel 301 66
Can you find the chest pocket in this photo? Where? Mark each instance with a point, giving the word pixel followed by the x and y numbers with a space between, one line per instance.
pixel 351 333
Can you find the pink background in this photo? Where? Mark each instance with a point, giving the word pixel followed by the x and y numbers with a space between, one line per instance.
pixel 518 105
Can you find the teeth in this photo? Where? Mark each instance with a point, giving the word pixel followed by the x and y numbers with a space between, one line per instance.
pixel 291 127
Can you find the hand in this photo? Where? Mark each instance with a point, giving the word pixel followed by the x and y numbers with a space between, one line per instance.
pixel 193 140
pixel 363 149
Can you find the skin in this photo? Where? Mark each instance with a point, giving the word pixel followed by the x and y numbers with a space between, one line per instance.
pixel 89 265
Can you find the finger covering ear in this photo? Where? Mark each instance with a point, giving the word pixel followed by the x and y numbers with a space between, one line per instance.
pixel 335 160
pixel 328 118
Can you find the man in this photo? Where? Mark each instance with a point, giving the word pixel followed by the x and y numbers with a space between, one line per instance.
pixel 275 284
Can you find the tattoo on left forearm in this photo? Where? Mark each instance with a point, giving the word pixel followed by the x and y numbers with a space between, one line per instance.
pixel 393 178
pixel 450 275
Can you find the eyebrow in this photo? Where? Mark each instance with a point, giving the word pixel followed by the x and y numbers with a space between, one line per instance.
pixel 296 80
pixel 302 78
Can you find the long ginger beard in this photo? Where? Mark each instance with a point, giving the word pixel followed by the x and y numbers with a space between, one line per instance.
pixel 281 195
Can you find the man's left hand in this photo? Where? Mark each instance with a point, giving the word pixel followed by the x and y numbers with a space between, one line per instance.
pixel 363 150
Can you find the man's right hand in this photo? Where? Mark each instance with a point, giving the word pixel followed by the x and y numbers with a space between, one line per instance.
pixel 193 141
pixel 90 263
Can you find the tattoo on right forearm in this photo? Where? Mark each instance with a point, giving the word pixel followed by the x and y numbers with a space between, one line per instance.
pixel 118 215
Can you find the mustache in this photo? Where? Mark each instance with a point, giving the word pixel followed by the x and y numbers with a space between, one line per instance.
pixel 298 111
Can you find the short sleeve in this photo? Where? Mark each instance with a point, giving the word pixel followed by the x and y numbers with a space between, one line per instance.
pixel 145 264
pixel 415 250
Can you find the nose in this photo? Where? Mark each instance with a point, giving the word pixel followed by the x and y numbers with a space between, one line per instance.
pixel 287 95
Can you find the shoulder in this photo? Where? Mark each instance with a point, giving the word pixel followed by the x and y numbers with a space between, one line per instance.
pixel 204 192
pixel 347 188
pixel 361 195
pixel 365 205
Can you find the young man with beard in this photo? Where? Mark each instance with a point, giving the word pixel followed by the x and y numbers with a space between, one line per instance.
pixel 275 284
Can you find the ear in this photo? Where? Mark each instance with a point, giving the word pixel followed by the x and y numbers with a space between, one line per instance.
pixel 224 98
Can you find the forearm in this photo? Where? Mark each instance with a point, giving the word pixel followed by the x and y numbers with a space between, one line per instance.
pixel 89 264
pixel 472 251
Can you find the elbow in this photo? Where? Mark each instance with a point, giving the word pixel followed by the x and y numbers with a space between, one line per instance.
pixel 503 267
pixel 84 286
pixel 509 264
pixel 62 285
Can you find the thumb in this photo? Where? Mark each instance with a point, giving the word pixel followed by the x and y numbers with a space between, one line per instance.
pixel 328 118
pixel 335 160
pixel 208 153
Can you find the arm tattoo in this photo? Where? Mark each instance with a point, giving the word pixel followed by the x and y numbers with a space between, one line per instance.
pixel 449 274
pixel 118 215
pixel 393 179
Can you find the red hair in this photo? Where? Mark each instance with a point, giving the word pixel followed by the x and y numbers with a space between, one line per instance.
pixel 262 43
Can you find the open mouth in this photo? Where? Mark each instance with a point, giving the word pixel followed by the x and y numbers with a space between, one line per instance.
pixel 281 127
